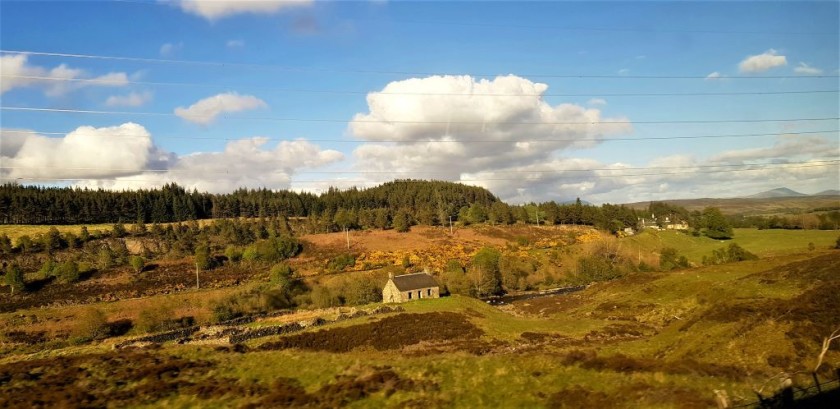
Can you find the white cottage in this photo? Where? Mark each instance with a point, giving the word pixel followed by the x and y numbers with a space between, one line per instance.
pixel 408 287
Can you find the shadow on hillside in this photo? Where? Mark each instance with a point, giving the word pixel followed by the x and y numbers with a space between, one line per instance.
pixel 38 284
pixel 150 267
pixel 120 327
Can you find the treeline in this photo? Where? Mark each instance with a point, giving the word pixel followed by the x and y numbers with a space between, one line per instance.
pixel 398 204
pixel 421 200
pixel 62 205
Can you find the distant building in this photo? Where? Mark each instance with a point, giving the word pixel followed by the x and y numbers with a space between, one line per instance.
pixel 408 287
pixel 677 226
pixel 648 223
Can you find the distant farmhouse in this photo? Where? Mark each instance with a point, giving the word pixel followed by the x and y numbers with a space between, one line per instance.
pixel 655 223
pixel 409 287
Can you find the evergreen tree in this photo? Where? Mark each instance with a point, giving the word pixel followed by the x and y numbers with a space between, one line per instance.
pixel 401 222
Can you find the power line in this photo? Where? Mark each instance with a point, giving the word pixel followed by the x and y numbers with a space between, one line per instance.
pixel 353 92
pixel 640 138
pixel 290 119
pixel 383 72
pixel 366 172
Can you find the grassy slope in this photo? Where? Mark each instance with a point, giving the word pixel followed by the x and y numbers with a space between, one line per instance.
pixel 521 375
pixel 484 381
pixel 763 243
pixel 14 231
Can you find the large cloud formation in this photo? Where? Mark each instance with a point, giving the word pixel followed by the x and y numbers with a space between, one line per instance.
pixel 205 111
pixel 447 126
pixel 118 150
pixel 125 157
pixel 18 73
pixel 500 134
pixel 213 10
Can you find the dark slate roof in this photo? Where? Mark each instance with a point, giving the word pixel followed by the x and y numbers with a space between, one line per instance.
pixel 408 282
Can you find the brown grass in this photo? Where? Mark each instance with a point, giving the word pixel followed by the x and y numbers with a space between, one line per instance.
pixel 388 333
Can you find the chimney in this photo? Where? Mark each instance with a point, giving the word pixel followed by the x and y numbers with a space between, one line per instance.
pixel 390 275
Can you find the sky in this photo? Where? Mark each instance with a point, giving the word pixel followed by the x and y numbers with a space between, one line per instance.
pixel 607 101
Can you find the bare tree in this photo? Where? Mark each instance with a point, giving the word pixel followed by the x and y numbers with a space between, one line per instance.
pixel 825 345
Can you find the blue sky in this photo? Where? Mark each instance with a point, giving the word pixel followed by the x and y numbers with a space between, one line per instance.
pixel 292 95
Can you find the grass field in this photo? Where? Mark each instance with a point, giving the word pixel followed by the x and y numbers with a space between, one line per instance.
pixel 14 231
pixel 764 243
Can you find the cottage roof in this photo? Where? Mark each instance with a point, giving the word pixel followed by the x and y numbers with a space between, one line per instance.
pixel 416 281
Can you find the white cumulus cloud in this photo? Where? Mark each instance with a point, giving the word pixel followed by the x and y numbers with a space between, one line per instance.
pixel 86 152
pixel 762 62
pixel 125 157
pixel 713 76
pixel 446 127
pixel 806 69
pixel 205 111
pixel 133 99
pixel 18 73
pixel 244 163
pixel 213 10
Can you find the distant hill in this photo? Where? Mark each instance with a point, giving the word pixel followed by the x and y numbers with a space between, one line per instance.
pixel 754 206
pixel 830 192
pixel 774 193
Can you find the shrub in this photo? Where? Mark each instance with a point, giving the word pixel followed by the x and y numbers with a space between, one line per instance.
pixel 203 261
pixel 738 253
pixel 730 254
pixel 233 254
pixel 272 250
pixel 363 290
pixel 119 230
pixel 603 262
pixel 68 272
pixel 5 244
pixel 90 325
pixel 105 258
pixel 323 297
pixel 341 262
pixel 670 259
pixel 14 278
pixel 224 311
pixel 161 318
pixel 137 263
pixel 281 275
pixel 48 269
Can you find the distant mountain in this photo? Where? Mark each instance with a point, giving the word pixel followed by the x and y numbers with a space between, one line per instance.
pixel 774 193
pixel 830 192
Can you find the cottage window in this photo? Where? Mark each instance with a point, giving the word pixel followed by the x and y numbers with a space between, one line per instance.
pixel 430 292
pixel 409 295
pixel 419 294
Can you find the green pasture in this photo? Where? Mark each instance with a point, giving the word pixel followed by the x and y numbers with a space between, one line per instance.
pixel 763 243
